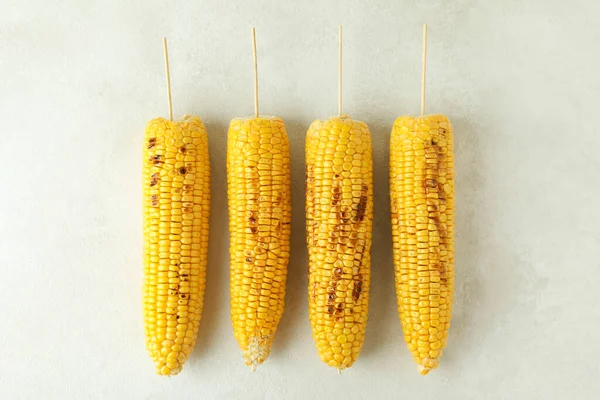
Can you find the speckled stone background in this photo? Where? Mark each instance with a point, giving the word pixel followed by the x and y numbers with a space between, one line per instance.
pixel 519 80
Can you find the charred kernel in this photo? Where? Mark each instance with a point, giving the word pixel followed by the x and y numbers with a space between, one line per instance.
pixel 182 170
pixel 431 183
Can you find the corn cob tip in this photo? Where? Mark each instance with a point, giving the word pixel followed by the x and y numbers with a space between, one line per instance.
pixel 168 372
pixel 339 371
pixel 423 370
pixel 427 365
pixel 257 352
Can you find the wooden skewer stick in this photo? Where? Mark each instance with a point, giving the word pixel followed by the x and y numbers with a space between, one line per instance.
pixel 255 73
pixel 340 73
pixel 166 51
pixel 423 73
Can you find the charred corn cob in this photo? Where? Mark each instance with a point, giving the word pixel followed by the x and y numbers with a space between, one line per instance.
pixel 422 207
pixel 339 214
pixel 258 175
pixel 176 201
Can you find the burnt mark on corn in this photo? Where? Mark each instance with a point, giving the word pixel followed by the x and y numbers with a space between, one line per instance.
pixel 430 183
pixel 331 289
pixel 252 218
pixel 336 196
pixel 330 298
pixel 278 228
pixel 154 179
pixel 182 150
pixel 253 222
pixel 441 269
pixel 310 203
pixel 432 147
pixel 358 287
pixel 154 200
pixel 335 280
pixel 334 241
pixel 361 208
pixel 182 171
pixel 345 216
pixel 151 142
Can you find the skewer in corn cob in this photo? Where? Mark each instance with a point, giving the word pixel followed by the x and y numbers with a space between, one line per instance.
pixel 339 213
pixel 258 175
pixel 422 218
pixel 176 202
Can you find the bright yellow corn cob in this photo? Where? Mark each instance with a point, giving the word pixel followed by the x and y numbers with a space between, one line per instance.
pixel 176 205
pixel 258 175
pixel 339 214
pixel 422 206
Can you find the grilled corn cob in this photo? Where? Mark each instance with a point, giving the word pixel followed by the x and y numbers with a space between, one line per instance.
pixel 176 204
pixel 258 174
pixel 422 207
pixel 339 213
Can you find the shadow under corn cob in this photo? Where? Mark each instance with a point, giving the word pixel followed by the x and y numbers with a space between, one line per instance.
pixel 339 214
pixel 422 207
pixel 258 176
pixel 176 207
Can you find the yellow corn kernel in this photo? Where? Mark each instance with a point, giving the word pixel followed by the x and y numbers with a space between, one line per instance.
pixel 173 289
pixel 422 219
pixel 339 214
pixel 258 176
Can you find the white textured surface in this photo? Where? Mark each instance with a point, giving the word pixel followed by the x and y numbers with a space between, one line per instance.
pixel 519 79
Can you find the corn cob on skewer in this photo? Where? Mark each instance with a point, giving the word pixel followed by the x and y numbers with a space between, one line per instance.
pixel 176 205
pixel 258 174
pixel 422 212
pixel 339 213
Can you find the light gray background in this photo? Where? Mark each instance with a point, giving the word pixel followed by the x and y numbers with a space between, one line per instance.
pixel 519 80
